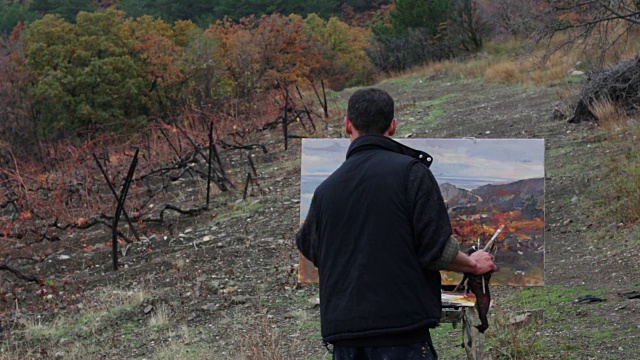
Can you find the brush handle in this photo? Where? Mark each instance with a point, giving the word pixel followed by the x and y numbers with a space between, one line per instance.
pixel 493 238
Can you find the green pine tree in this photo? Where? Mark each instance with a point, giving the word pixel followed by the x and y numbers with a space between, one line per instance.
pixel 412 14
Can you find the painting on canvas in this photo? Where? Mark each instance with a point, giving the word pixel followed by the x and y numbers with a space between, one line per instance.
pixel 485 183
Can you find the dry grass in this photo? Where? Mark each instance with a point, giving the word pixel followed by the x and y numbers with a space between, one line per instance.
pixel 108 298
pixel 512 342
pixel 609 115
pixel 160 317
pixel 457 69
pixel 505 71
pixel 519 62
pixel 180 351
pixel 260 335
pixel 183 348
pixel 534 68
pixel 625 178
pixel 555 70
pixel 260 338
pixel 475 67
pixel 60 335
pixel 530 69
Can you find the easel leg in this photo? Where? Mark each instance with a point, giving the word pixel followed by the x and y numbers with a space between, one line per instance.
pixel 473 340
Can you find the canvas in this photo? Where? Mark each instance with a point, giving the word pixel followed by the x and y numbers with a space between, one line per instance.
pixel 485 183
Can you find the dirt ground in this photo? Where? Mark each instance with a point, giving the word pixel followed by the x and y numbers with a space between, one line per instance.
pixel 227 280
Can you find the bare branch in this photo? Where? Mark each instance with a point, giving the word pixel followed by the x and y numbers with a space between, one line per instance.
pixel 19 275
pixel 632 17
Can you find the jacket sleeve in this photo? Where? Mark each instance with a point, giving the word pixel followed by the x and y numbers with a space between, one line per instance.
pixel 307 236
pixel 448 254
pixel 431 223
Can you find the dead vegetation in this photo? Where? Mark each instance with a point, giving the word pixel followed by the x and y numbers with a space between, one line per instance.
pixel 142 182
pixel 611 94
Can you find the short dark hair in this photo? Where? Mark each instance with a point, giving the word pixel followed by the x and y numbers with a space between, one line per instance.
pixel 370 110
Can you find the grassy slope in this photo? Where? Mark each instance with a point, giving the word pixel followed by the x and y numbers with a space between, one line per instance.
pixel 258 311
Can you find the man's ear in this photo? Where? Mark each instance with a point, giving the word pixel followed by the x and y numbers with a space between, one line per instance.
pixel 392 128
pixel 348 126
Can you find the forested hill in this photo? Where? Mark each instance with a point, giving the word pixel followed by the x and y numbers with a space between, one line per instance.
pixel 74 70
pixel 201 12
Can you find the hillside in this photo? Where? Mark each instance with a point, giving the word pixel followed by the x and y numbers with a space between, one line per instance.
pixel 223 285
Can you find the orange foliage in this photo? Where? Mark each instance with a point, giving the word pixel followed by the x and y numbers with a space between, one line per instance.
pixel 24 215
pixel 159 57
pixel 260 52
pixel 366 18
pixel 15 109
pixel 468 231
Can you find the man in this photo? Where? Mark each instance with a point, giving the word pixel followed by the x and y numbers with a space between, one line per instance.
pixel 378 231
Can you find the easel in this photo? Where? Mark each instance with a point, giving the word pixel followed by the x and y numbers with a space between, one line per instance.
pixel 459 308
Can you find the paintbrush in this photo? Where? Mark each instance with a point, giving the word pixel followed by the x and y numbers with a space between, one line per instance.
pixel 493 238
pixel 488 246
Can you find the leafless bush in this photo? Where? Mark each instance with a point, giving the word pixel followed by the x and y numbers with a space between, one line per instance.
pixel 468 25
pixel 618 84
pixel 261 339
pixel 518 18
pixel 601 27
pixel 41 203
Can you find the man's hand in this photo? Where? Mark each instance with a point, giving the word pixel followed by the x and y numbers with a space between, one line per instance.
pixel 484 261
pixel 479 263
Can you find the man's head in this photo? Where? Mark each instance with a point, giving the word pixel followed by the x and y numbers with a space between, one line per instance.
pixel 370 111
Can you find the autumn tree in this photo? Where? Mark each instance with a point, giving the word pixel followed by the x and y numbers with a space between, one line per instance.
pixel 155 54
pixel 259 53
pixel 104 72
pixel 86 76
pixel 16 125
pixel 342 49
pixel 183 32
pixel 206 83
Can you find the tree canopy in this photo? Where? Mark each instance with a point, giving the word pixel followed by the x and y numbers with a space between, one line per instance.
pixel 201 12
pixel 107 71
pixel 67 9
pixel 424 14
pixel 104 70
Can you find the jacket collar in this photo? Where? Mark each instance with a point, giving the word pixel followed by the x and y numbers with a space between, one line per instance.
pixel 370 142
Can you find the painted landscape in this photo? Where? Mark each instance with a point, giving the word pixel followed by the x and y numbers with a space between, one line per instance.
pixel 485 184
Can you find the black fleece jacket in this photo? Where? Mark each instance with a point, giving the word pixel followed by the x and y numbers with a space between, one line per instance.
pixel 372 228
